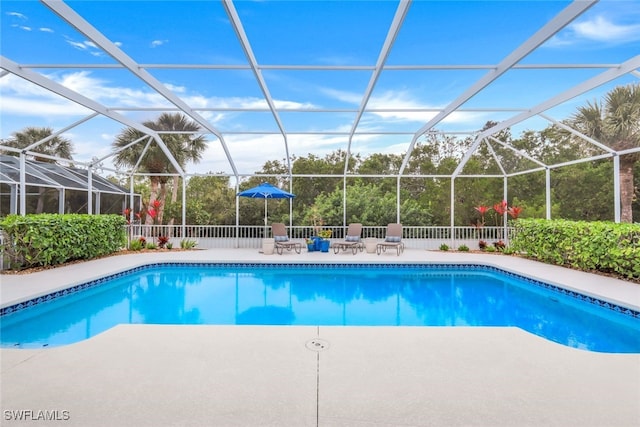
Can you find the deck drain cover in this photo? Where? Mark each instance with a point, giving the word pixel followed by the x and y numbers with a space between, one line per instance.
pixel 317 344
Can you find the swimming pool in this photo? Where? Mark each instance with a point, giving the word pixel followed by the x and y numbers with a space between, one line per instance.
pixel 329 294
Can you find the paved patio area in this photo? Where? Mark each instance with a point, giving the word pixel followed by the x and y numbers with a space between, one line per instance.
pixel 152 375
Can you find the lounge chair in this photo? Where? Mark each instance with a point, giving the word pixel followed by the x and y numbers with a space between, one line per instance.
pixel 281 239
pixel 351 241
pixel 393 239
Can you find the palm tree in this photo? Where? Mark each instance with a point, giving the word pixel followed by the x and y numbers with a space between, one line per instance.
pixel 184 148
pixel 617 125
pixel 56 147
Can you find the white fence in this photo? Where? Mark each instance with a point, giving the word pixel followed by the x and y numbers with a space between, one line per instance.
pixel 250 236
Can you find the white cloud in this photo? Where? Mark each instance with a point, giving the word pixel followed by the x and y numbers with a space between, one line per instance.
pixel 341 95
pixel 599 29
pixel 403 100
pixel 17 15
pixel 157 43
pixel 85 46
pixel 22 27
pixel 175 89
pixel 45 30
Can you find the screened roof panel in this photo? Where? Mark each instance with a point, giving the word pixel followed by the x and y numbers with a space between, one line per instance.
pixel 53 175
pixel 319 89
pixel 144 30
pixel 316 32
pixel 212 87
pixel 468 32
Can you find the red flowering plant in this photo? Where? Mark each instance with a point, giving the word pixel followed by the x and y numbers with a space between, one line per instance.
pixel 137 216
pixel 153 211
pixel 482 210
pixel 500 209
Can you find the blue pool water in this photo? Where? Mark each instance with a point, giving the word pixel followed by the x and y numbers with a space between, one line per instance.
pixel 352 295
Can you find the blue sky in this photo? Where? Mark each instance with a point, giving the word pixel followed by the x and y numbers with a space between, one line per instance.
pixel 324 33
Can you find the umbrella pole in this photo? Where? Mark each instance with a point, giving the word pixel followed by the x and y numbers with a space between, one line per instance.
pixel 265 217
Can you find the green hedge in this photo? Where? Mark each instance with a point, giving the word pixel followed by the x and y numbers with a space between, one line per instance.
pixel 51 239
pixel 602 246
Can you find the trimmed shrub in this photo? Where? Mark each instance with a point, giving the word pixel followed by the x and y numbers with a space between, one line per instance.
pixel 444 247
pixel 599 245
pixel 463 248
pixel 51 239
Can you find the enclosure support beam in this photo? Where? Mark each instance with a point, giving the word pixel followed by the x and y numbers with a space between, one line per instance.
pixel 398 219
pixel 23 184
pixel 61 194
pixel 98 208
pixel 89 193
pixel 547 174
pixel 13 201
pixel 237 214
pixel 344 199
pixel 184 207
pixel 452 204
pixel 505 195
pixel 616 188
pixel 131 200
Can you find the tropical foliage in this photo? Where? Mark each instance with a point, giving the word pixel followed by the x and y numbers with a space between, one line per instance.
pixel 56 146
pixel 150 158
pixel 616 124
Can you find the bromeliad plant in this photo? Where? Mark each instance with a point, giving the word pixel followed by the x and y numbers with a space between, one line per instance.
pixel 499 209
pixel 482 210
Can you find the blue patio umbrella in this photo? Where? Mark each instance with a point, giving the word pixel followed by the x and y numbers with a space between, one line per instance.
pixel 266 191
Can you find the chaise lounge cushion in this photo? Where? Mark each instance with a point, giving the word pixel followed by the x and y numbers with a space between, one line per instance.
pixel 352 239
pixel 393 239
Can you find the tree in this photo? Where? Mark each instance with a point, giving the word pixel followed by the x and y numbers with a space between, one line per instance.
pixel 616 123
pixel 368 204
pixel 56 146
pixel 184 147
pixel 210 201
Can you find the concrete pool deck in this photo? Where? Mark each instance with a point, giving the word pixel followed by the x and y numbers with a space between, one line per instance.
pixel 163 375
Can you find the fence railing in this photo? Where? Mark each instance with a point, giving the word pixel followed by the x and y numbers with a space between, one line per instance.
pixel 250 236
